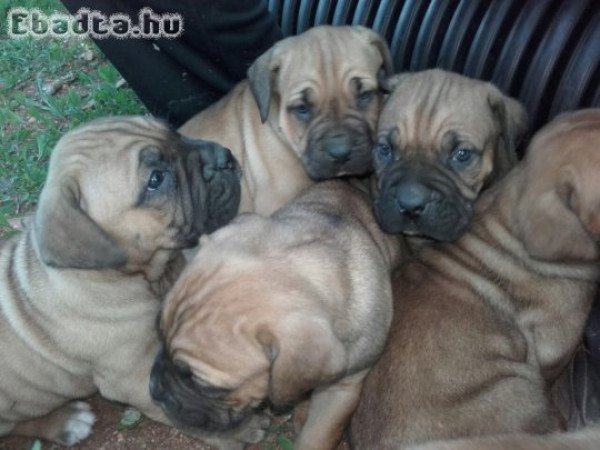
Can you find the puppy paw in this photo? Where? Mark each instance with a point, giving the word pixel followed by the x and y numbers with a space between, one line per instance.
pixel 255 429
pixel 78 423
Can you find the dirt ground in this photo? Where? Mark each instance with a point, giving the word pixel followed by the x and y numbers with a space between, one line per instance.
pixel 146 435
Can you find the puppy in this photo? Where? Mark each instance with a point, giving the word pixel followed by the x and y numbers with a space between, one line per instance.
pixel 307 112
pixel 482 326
pixel 81 289
pixel 441 139
pixel 275 308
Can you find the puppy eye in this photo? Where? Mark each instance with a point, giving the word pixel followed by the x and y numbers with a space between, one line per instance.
pixel 155 180
pixel 383 152
pixel 364 99
pixel 462 157
pixel 302 112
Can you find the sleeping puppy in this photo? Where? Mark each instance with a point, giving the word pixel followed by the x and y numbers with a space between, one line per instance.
pixel 441 139
pixel 81 289
pixel 483 325
pixel 275 308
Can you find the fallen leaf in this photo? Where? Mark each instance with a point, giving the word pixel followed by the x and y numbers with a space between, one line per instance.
pixel 130 418
pixel 52 87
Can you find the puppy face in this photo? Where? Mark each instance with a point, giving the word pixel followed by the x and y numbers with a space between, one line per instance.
pixel 321 91
pixel 561 190
pixel 441 138
pixel 122 190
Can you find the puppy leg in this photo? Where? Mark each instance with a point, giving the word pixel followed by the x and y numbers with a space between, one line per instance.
pixel 67 425
pixel 328 414
pixel 254 430
pixel 124 377
pixel 250 433
pixel 134 394
pixel 300 415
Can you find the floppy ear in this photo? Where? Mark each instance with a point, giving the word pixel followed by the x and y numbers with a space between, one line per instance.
pixel 549 225
pixel 67 237
pixel 513 122
pixel 583 203
pixel 305 355
pixel 377 40
pixel 389 84
pixel 261 77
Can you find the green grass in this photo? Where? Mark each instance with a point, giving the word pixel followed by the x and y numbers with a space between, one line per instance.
pixel 32 120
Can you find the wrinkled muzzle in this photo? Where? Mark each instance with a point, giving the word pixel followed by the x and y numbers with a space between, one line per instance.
pixel 213 176
pixel 188 403
pixel 338 151
pixel 419 199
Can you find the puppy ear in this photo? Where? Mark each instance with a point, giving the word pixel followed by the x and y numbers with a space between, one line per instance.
pixel 262 75
pixel 390 83
pixel 378 41
pixel 550 224
pixel 513 122
pixel 306 354
pixel 67 237
pixel 583 203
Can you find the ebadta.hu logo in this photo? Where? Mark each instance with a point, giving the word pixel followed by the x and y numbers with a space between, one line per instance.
pixel 24 22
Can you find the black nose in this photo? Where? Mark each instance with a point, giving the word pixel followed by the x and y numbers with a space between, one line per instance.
pixel 338 147
pixel 223 158
pixel 412 197
pixel 215 159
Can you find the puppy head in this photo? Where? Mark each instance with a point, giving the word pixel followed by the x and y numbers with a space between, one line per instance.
pixel 120 191
pixel 237 332
pixel 558 214
pixel 321 91
pixel 441 139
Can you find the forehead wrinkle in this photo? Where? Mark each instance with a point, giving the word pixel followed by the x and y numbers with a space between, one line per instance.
pixel 449 139
pixel 443 130
pixel 347 76
pixel 123 129
pixel 393 134
pixel 402 133
pixel 185 294
pixel 307 96
pixel 304 91
pixel 431 107
pixel 324 58
pixel 424 132
pixel 117 140
pixel 172 325
pixel 366 83
pixel 434 123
